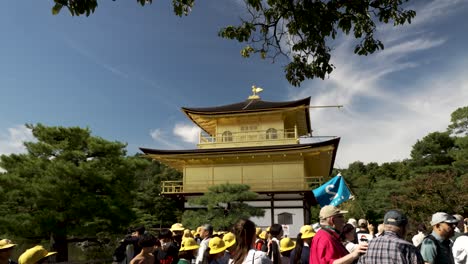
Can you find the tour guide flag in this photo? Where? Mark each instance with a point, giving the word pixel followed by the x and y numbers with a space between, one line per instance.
pixel 333 192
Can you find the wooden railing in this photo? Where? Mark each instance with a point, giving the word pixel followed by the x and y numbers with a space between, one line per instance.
pixel 249 136
pixel 256 185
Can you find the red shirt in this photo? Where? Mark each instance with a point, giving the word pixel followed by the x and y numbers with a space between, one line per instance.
pixel 326 247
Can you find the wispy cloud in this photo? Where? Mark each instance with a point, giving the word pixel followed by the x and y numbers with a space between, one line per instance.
pixel 182 136
pixel 94 58
pixel 12 141
pixel 188 133
pixel 383 116
pixel 161 137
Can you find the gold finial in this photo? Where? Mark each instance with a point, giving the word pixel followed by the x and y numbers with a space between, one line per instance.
pixel 255 90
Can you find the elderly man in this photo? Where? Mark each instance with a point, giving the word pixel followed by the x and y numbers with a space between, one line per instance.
pixel 436 247
pixel 206 231
pixel 326 245
pixel 391 247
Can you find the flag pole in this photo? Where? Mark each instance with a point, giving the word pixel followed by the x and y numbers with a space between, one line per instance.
pixel 354 196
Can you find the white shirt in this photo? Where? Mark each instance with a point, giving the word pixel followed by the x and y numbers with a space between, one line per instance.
pixel 460 250
pixel 201 251
pixel 417 239
pixel 254 257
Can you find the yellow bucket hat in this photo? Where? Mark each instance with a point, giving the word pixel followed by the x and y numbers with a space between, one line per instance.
pixel 189 244
pixel 216 245
pixel 287 244
pixel 229 239
pixel 6 243
pixel 177 227
pixel 34 254
pixel 258 231
pixel 307 231
pixel 187 234
pixel 263 235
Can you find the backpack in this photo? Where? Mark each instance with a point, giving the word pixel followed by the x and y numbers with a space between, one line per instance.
pixel 119 253
pixel 431 237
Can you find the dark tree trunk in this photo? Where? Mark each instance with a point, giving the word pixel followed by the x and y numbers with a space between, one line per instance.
pixel 60 244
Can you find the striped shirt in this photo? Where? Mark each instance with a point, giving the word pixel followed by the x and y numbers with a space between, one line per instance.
pixel 390 248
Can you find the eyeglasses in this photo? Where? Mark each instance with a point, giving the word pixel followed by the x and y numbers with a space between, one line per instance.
pixel 450 224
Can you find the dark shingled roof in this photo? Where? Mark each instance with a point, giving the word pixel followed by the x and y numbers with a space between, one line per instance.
pixel 247 106
pixel 333 141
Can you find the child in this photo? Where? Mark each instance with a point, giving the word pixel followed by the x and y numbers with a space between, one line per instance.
pixel 188 250
pixel 286 246
pixel 147 243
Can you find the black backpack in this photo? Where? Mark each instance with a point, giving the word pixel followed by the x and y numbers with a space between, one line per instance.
pixel 431 237
pixel 120 253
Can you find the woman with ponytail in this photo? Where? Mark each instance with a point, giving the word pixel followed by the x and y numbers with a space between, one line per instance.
pixel 245 252
pixel 300 254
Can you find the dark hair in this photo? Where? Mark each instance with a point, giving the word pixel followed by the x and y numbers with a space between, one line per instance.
pixel 422 227
pixel 140 230
pixel 276 229
pixel 186 254
pixel 346 229
pixel 298 249
pixel 165 233
pixel 244 230
pixel 147 240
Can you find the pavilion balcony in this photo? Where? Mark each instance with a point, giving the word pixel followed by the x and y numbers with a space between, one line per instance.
pixel 256 185
pixel 250 138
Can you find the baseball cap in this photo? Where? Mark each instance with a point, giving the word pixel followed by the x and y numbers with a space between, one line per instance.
pixel 395 218
pixel 329 211
pixel 441 217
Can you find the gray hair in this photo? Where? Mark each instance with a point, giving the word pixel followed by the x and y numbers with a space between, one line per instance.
pixel 208 228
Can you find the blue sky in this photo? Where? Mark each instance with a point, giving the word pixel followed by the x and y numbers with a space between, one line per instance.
pixel 126 70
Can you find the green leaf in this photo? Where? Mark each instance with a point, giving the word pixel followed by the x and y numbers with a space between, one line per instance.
pixel 56 9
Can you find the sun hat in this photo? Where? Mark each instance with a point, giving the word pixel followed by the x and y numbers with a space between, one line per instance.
pixel 186 234
pixel 177 227
pixel 189 244
pixel 216 245
pixel 287 244
pixel 353 222
pixel 34 254
pixel 396 218
pixel 262 235
pixel 6 243
pixel 229 239
pixel 441 217
pixel 198 231
pixel 307 231
pixel 258 230
pixel 362 221
pixel 329 211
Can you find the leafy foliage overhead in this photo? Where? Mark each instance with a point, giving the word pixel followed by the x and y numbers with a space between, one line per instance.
pixel 299 30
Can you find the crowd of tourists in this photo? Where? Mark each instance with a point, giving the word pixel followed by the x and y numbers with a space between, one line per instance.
pixel 333 240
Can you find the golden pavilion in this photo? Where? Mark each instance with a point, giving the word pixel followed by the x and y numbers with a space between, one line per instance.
pixel 257 143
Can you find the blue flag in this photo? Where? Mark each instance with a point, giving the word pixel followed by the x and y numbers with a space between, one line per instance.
pixel 333 192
